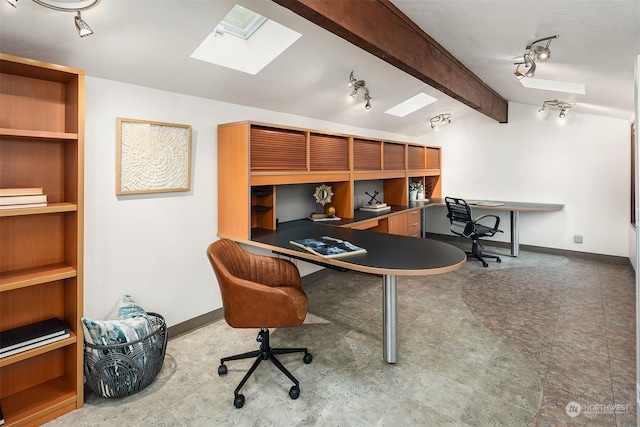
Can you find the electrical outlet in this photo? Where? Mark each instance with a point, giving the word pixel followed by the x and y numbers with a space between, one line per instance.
pixel 578 238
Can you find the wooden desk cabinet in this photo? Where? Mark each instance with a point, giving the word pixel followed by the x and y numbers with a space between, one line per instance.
pixel 255 158
pixel 41 145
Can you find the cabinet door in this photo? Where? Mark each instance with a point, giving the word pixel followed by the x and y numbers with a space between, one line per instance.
pixel 398 224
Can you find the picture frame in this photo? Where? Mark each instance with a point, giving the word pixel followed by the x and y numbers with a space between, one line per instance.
pixel 152 157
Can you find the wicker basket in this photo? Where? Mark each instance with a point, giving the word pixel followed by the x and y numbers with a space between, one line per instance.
pixel 125 369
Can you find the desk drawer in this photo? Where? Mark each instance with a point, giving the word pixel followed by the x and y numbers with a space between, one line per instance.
pixel 413 229
pixel 413 223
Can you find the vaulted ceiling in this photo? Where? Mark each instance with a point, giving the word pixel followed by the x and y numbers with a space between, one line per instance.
pixel 149 43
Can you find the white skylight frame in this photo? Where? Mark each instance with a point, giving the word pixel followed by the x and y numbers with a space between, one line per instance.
pixel 411 105
pixel 553 85
pixel 249 55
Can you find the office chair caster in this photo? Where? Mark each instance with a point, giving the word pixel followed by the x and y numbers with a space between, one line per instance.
pixel 307 358
pixel 238 402
pixel 222 370
pixel 294 392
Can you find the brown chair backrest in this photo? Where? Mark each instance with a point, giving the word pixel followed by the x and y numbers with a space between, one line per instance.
pixel 257 291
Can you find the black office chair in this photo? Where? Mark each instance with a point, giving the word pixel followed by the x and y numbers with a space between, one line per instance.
pixel 463 224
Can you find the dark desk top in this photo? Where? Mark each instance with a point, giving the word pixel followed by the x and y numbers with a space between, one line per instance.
pixel 386 253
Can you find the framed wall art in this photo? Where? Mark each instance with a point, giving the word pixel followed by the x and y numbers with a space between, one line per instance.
pixel 152 157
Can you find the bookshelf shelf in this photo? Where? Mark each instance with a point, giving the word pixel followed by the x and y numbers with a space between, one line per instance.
pixel 41 259
pixel 18 357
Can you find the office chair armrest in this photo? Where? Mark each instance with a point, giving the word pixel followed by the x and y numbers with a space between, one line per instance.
pixel 496 219
pixel 274 272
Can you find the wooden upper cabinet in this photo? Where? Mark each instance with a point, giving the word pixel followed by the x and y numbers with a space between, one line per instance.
pixel 433 158
pixel 393 156
pixel 416 157
pixel 278 149
pixel 328 152
pixel 367 155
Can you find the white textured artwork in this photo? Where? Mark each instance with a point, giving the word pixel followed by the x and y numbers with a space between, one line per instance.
pixel 153 157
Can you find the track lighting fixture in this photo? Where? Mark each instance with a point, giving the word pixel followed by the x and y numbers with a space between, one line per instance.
pixel 563 106
pixel 68 6
pixel 441 120
pixel 82 27
pixel 532 53
pixel 356 85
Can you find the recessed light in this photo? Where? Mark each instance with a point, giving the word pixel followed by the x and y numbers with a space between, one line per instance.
pixel 410 105
pixel 554 85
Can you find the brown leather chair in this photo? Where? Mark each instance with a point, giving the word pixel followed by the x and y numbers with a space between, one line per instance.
pixel 258 292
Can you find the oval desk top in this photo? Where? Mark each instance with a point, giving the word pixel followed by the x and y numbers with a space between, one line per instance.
pixel 386 253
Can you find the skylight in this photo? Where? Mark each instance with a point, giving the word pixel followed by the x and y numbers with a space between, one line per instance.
pixel 410 105
pixel 240 22
pixel 554 85
pixel 245 41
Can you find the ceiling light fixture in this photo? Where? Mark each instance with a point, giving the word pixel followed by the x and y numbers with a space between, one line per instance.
pixel 563 106
pixel 82 27
pixel 356 85
pixel 441 120
pixel 532 53
pixel 68 6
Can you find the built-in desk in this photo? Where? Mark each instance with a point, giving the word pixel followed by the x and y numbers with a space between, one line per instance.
pixel 514 209
pixel 387 255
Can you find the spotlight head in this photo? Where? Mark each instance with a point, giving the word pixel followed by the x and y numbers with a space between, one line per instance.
pixel 532 70
pixel 82 27
pixel 351 79
pixel 367 98
pixel 563 113
pixel 543 53
pixel 354 92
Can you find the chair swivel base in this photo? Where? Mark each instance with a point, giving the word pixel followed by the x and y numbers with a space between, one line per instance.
pixel 264 353
pixel 477 254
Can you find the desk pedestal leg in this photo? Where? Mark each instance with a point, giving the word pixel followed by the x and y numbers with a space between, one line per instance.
pixel 514 233
pixel 390 318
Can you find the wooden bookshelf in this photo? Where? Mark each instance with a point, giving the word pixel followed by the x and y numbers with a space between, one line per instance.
pixel 41 249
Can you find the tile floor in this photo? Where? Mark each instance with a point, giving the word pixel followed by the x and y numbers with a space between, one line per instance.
pixel 508 345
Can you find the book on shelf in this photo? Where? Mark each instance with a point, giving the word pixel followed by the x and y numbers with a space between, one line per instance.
pixel 325 218
pixel 27 205
pixel 33 335
pixel 328 247
pixel 20 191
pixel 375 208
pixel 23 200
pixel 1 417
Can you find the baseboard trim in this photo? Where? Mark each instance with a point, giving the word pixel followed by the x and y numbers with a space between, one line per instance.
pixel 540 249
pixel 195 323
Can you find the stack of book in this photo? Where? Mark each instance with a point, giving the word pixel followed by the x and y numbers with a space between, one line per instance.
pixel 27 197
pixel 375 207
pixel 30 336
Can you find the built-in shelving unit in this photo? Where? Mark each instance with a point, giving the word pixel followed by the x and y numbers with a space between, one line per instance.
pixel 254 158
pixel 41 145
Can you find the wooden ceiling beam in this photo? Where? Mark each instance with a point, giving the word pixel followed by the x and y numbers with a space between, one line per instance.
pixel 380 28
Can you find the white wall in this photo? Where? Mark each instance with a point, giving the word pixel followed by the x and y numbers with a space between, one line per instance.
pixel 153 246
pixel 582 162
